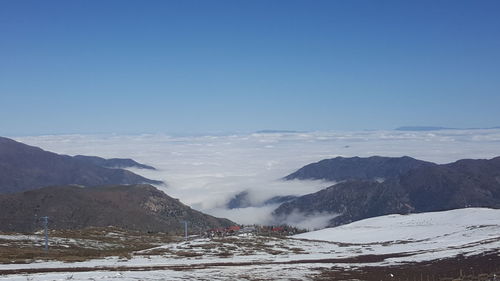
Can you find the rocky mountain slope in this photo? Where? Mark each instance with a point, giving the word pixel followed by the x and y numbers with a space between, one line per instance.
pixel 428 187
pixel 24 167
pixel 134 207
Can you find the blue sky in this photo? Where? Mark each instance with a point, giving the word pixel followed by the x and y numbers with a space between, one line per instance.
pixel 237 66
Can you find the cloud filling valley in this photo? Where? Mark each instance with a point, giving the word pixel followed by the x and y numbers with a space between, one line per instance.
pixel 205 172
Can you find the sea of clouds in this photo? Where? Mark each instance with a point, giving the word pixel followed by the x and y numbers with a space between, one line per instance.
pixel 205 172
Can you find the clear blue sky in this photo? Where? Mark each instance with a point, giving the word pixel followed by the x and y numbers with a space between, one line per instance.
pixel 210 66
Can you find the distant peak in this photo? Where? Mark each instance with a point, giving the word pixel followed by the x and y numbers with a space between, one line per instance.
pixel 436 128
pixel 278 132
pixel 423 128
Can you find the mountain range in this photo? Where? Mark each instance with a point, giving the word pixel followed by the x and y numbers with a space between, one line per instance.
pixel 377 186
pixel 80 191
pixel 24 167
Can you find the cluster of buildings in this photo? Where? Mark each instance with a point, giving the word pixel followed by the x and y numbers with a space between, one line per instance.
pixel 282 230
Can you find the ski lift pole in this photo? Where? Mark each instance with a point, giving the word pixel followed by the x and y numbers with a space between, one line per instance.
pixel 46 232
pixel 186 230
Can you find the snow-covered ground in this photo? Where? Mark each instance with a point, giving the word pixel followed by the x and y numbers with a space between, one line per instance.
pixel 387 240
pixel 222 273
pixel 37 240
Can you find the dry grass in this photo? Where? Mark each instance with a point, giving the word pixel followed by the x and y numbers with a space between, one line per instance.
pixel 81 245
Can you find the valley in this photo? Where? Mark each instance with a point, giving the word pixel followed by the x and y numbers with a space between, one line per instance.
pixel 135 231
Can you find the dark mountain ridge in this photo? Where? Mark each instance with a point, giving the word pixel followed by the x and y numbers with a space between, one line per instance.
pixel 425 188
pixel 357 168
pixel 113 162
pixel 134 207
pixel 24 167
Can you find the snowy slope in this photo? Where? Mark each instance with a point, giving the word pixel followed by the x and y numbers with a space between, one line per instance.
pixel 414 227
pixel 419 237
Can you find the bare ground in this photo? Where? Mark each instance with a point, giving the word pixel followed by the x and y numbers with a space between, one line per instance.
pixel 480 267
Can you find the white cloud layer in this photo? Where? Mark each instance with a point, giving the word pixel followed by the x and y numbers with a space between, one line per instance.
pixel 206 171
